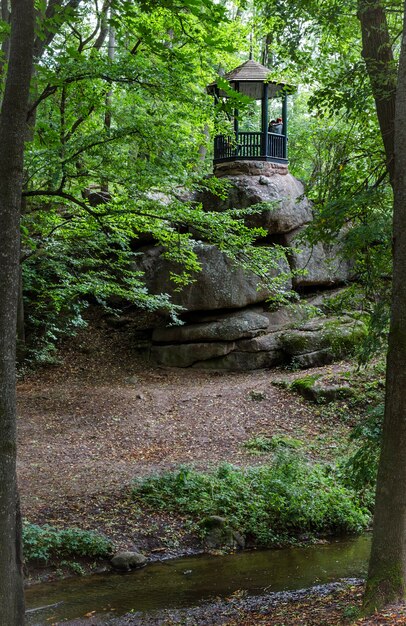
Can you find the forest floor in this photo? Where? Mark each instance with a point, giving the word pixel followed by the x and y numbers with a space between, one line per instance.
pixel 102 416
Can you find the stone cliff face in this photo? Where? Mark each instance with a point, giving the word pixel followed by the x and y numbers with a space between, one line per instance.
pixel 248 336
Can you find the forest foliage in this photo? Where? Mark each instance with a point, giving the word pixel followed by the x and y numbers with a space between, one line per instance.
pixel 120 132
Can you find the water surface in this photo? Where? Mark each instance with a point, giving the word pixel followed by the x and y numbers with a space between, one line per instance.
pixel 189 581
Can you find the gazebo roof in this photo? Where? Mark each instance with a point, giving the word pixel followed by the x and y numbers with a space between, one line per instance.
pixel 250 77
pixel 250 70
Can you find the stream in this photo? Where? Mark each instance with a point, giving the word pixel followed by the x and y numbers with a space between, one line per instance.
pixel 190 581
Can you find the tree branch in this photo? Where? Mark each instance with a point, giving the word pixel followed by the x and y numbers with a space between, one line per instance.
pixel 78 122
pixel 62 194
pixel 41 43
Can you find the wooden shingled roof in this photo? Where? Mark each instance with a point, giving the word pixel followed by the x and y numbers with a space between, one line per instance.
pixel 250 70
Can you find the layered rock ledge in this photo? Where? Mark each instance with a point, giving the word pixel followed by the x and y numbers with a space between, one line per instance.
pixel 232 327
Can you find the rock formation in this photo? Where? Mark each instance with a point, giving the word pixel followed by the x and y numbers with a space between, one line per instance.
pixel 228 322
pixel 220 284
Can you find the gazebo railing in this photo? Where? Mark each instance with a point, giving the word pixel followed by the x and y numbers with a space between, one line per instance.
pixel 249 145
pixel 277 146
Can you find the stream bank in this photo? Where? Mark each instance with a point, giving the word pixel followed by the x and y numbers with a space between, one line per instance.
pixel 321 605
pixel 171 588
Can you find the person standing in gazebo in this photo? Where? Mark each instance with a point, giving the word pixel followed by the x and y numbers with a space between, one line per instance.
pixel 276 126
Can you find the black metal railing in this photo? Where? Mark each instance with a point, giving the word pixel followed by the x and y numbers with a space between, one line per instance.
pixel 250 146
pixel 277 146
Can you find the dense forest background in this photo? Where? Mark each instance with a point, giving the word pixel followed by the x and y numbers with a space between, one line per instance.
pixel 121 129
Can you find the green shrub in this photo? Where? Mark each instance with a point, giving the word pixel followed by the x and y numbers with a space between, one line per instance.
pixel 75 568
pixel 47 542
pixel 261 443
pixel 273 504
pixel 360 469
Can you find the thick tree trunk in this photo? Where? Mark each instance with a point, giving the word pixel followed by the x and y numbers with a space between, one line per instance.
pixel 12 132
pixel 5 46
pixel 387 568
pixel 382 71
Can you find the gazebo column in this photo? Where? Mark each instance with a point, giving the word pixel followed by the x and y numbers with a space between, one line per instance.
pixel 236 118
pixel 264 125
pixel 285 125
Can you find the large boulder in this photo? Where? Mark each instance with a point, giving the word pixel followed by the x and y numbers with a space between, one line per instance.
pixel 252 339
pixel 288 207
pixel 239 361
pixel 219 285
pixel 186 354
pixel 319 389
pixel 346 299
pixel 249 168
pixel 126 560
pixel 259 352
pixel 319 265
pixel 271 342
pixel 322 340
pixel 219 535
pixel 286 316
pixel 221 328
pixel 313 359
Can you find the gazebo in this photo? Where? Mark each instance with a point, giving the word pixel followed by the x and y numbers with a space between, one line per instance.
pixel 268 144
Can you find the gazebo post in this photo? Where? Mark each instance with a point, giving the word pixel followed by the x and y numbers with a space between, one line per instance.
pixel 285 125
pixel 264 124
pixel 236 117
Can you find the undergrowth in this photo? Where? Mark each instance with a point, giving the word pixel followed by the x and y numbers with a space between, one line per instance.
pixel 271 504
pixel 362 410
pixel 262 443
pixel 359 470
pixel 45 543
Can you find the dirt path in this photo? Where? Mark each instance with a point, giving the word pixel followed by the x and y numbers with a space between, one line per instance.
pixel 101 417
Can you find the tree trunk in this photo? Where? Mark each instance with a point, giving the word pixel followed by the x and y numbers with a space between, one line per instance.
pixel 382 71
pixel 12 132
pixel 111 49
pixel 5 46
pixel 387 569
